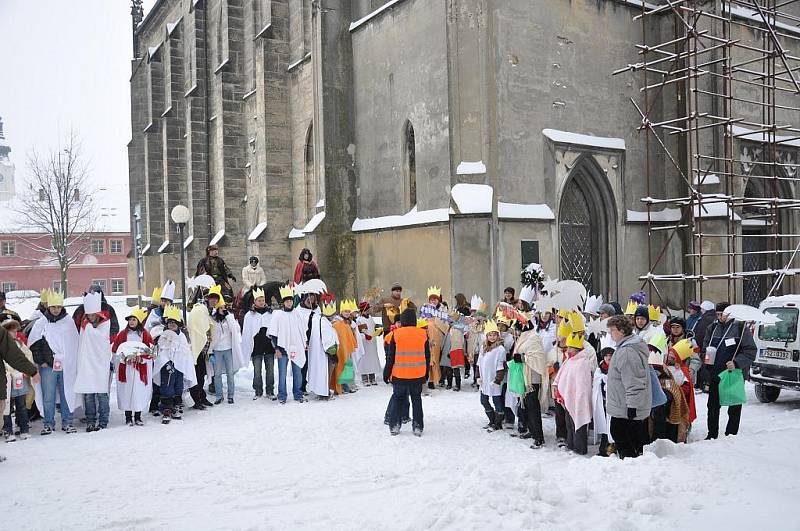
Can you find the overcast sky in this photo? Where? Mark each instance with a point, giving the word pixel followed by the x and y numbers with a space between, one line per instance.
pixel 65 65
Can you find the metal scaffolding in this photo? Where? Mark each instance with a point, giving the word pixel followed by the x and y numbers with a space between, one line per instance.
pixel 721 107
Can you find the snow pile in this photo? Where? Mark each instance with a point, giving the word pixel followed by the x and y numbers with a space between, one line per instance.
pixel 260 465
pixel 472 198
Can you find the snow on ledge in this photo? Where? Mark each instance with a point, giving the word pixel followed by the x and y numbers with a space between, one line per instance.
pixel 524 211
pixel 257 230
pixel 313 223
pixel 320 203
pixel 742 133
pixel 163 247
pixel 710 178
pixel 471 168
pixel 577 139
pixel 217 237
pixel 472 198
pixel 668 215
pixel 414 217
pixel 363 20
pixel 296 233
pixel 188 241
pixel 145 249
pixel 151 51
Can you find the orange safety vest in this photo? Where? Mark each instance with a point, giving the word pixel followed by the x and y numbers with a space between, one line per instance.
pixel 409 357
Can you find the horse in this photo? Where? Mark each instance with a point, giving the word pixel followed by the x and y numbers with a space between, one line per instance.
pixel 243 300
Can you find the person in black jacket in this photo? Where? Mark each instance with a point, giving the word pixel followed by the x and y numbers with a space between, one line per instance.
pixel 728 345
pixel 79 312
pixel 11 354
pixel 399 373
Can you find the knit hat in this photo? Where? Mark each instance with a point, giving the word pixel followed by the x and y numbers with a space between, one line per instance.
pixel 721 306
pixel 679 321
pixel 642 311
pixel 706 305
pixel 606 308
pixel 694 305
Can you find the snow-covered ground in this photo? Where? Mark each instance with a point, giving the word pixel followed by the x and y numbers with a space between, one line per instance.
pixel 260 465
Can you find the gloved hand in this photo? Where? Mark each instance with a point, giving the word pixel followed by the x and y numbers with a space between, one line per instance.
pixel 631 413
pixel 385 380
pixel 518 358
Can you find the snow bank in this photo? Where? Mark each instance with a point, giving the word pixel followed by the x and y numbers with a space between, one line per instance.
pixel 414 217
pixel 524 211
pixel 471 168
pixel 472 198
pixel 565 137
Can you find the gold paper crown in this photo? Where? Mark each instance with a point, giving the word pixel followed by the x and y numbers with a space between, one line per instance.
pixel 564 329
pixel 563 313
pixel 139 313
pixel 328 309
pixel 576 322
pixel 45 293
pixel 348 305
pixel 434 291
pixel 55 298
pixel 683 349
pixel 575 341
pixel 422 323
pixel 287 292
pixel 258 292
pixel 631 308
pixel 502 319
pixel 156 296
pixel 490 326
pixel 216 289
pixel 654 313
pixel 173 313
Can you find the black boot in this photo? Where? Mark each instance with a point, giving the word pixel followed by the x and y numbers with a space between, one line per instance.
pixel 137 419
pixel 498 421
pixel 128 418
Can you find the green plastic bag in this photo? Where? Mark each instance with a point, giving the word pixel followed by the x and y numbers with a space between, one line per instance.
pixel 516 378
pixel 731 388
pixel 347 373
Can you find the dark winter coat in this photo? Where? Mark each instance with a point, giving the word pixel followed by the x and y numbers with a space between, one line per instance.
pixel 703 325
pixel 42 353
pixel 741 349
pixel 11 354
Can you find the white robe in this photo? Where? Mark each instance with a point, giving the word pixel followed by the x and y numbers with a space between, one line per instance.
pixel 175 348
pixel 62 336
pixel 322 337
pixel 290 331
pixel 238 360
pixel 153 320
pixel 94 359
pixel 133 394
pixel 253 323
pixel 489 363
pixel 602 424
pixel 369 362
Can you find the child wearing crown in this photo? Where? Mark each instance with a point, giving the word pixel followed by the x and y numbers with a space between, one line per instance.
pixel 173 370
pixel 344 375
pixel 134 367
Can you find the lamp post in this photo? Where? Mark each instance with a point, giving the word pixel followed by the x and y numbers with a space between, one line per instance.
pixel 180 215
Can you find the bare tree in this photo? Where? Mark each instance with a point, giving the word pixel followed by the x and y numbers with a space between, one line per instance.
pixel 58 203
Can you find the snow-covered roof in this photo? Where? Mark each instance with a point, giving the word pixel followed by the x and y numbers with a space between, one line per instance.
pixel 524 211
pixel 313 223
pixel 472 198
pixel 366 18
pixel 257 230
pixel 578 139
pixel 668 215
pixel 748 134
pixel 471 168
pixel 413 217
pixel 217 237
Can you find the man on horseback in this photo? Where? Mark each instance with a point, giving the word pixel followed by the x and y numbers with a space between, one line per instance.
pixel 215 266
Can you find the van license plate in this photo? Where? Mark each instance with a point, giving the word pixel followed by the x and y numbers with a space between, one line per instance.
pixel 776 354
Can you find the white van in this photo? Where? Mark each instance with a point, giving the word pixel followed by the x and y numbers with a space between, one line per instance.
pixel 777 364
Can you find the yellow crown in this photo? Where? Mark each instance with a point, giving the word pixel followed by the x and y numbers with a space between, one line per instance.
pixel 328 309
pixel 348 305
pixel 55 298
pixel 220 303
pixel 654 313
pixel 577 322
pixel 631 308
pixel 575 340
pixel 139 313
pixel 287 292
pixel 564 329
pixel 405 303
pixel 173 313
pixel 216 289
pixel 258 292
pixel 490 326
pixel 422 323
pixel 683 349
pixel 502 319
pixel 156 296
pixel 563 313
pixel 434 291
pixel 45 293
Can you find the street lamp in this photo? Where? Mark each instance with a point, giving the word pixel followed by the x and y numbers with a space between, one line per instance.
pixel 180 215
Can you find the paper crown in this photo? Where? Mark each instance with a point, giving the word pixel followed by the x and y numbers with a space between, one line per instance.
pixel 576 322
pixel 563 313
pixel 258 293
pixel 658 341
pixel 168 291
pixel 564 329
pixel 43 295
pixel 287 292
pixel 55 298
pixel 575 341
pixel 216 289
pixel 422 323
pixel 220 303
pixel 156 296
pixel 502 319
pixel 139 313
pixel 683 349
pixel 592 305
pixel 631 308
pixel 490 326
pixel 348 305
pixel 92 303
pixel 434 291
pixel 328 309
pixel 655 358
pixel 526 294
pixel 475 303
pixel 172 313
pixel 654 312
pixel 406 304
